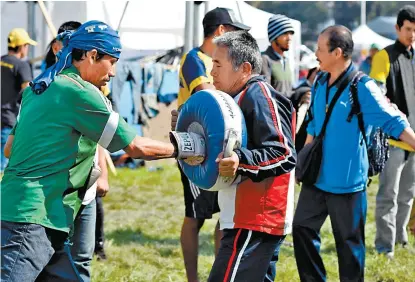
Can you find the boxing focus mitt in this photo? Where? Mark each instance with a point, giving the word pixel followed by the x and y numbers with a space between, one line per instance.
pixel 190 146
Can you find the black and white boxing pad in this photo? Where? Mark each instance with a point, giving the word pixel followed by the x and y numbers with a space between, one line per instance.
pixel 217 117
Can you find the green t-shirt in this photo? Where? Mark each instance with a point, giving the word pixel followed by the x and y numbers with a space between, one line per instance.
pixel 53 149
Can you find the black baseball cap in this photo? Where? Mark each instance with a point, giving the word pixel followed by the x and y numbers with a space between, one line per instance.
pixel 223 16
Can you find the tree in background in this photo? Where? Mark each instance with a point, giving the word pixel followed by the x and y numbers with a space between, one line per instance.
pixel 311 14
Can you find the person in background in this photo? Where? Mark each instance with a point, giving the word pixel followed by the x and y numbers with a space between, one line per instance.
pixel 16 74
pixel 195 75
pixel 302 95
pixel 275 65
pixel 340 189
pixel 366 65
pixel 55 45
pixel 394 69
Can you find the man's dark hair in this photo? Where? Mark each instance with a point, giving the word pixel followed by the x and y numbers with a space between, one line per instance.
pixel 78 55
pixel 71 25
pixel 340 36
pixel 407 13
pixel 50 58
pixel 12 49
pixel 210 30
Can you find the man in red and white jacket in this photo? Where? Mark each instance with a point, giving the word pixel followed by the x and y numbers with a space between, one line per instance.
pixel 256 215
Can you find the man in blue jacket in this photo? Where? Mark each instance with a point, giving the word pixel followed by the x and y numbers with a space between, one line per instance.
pixel 339 191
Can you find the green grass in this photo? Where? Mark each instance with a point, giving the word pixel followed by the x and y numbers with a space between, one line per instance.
pixel 143 216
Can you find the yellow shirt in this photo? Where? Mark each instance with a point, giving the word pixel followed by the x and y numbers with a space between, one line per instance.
pixel 195 68
pixel 380 66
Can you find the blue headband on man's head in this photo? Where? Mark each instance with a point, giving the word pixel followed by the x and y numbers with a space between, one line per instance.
pixel 91 35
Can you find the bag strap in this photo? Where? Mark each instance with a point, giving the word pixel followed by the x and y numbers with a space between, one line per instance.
pixel 356 109
pixel 340 89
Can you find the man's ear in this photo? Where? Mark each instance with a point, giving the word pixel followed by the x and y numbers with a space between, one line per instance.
pixel 398 29
pixel 247 69
pixel 220 30
pixel 92 55
pixel 55 47
pixel 338 52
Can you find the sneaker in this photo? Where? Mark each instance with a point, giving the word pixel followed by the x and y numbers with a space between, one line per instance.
pixel 402 244
pixel 99 251
pixel 390 255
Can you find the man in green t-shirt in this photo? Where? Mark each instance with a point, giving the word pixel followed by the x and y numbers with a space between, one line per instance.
pixel 46 179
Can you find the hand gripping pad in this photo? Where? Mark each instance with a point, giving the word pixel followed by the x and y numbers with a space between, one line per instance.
pixel 216 116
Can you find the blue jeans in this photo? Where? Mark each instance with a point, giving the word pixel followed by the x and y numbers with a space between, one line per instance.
pixel 83 240
pixel 347 216
pixel 245 256
pixel 5 131
pixel 31 252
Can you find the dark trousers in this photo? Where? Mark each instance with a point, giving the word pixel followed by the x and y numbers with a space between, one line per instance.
pixel 348 217
pixel 246 256
pixel 99 227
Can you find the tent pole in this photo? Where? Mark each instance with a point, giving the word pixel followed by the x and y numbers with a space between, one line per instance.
pixel 188 28
pixel 362 12
pixel 31 25
pixel 196 25
pixel 47 18
pixel 45 30
pixel 122 16
pixel 207 6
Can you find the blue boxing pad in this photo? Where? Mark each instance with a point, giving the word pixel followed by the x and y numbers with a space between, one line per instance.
pixel 218 118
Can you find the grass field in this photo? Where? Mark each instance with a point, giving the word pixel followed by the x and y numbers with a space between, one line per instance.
pixel 143 216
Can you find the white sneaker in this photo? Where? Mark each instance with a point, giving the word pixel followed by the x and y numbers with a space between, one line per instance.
pixel 390 255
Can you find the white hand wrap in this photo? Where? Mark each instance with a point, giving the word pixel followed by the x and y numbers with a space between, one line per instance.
pixel 190 146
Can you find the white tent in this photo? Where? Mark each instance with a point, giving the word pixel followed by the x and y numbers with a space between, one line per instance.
pixel 156 25
pixel 363 37
pixel 147 25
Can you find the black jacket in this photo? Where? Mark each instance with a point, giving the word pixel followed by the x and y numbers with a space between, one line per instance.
pixel 270 122
pixel 400 80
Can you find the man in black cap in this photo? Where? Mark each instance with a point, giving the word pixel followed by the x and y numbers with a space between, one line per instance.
pixel 195 68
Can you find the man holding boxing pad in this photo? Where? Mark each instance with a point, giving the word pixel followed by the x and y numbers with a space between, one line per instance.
pixel 195 68
pixel 263 205
pixel 257 216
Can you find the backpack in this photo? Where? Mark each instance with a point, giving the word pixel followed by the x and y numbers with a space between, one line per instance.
pixel 377 145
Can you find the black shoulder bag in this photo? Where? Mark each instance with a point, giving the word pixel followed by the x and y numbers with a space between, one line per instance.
pixel 309 158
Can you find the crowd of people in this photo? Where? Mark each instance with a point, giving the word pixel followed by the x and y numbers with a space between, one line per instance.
pixel 56 127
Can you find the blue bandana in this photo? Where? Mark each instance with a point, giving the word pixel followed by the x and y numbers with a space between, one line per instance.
pixel 91 35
